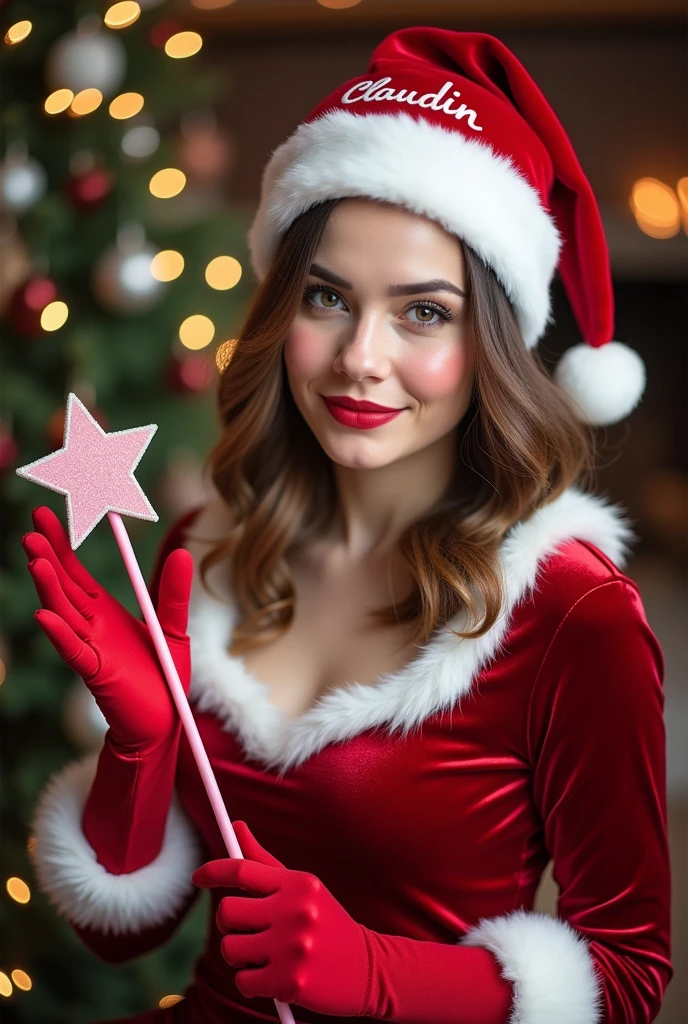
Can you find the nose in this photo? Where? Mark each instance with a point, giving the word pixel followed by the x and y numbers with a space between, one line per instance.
pixel 365 348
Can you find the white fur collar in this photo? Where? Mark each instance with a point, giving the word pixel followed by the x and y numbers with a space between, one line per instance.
pixel 439 676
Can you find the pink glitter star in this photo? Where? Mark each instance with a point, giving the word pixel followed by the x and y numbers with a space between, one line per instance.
pixel 95 471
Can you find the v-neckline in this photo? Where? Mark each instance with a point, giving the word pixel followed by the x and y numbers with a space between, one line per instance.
pixel 437 677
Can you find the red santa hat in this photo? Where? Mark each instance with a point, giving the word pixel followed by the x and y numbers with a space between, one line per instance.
pixel 451 125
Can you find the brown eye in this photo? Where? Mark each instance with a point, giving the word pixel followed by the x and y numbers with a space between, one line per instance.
pixel 329 295
pixel 425 309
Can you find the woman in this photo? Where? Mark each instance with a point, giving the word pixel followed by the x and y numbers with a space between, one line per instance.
pixel 415 662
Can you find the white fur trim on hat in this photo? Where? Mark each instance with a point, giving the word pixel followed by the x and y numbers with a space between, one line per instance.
pixel 550 964
pixel 607 382
pixel 462 183
pixel 80 887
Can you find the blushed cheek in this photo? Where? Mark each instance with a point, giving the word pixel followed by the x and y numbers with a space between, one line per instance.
pixel 305 353
pixel 431 376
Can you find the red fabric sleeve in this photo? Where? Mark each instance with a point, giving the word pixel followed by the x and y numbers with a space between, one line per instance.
pixel 597 743
pixel 599 747
pixel 126 811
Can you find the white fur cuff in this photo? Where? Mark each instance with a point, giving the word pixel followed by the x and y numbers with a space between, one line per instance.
pixel 79 886
pixel 549 961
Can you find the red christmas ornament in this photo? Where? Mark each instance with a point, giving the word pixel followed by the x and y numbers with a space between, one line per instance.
pixel 27 303
pixel 8 448
pixel 54 431
pixel 88 190
pixel 190 374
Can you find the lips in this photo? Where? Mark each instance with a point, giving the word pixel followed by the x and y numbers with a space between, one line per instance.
pixel 359 405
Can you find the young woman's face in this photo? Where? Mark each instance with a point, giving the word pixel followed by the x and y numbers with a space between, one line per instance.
pixel 351 337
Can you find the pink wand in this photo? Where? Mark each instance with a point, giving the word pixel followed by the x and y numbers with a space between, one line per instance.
pixel 95 472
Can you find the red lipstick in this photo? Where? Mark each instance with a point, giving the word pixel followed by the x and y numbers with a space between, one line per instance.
pixel 357 417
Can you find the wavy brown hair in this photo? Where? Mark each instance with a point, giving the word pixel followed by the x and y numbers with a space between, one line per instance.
pixel 519 444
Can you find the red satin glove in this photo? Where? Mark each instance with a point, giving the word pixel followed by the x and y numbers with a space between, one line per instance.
pixel 311 951
pixel 314 954
pixel 100 639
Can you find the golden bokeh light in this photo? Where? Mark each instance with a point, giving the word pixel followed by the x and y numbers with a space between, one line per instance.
pixel 122 14
pixel 223 272
pixel 167 183
pixel 21 980
pixel 5 985
pixel 15 33
pixel 85 102
pixel 183 44
pixel 18 889
pixel 196 331
pixel 127 104
pixel 224 354
pixel 169 1001
pixel 656 208
pixel 58 101
pixel 167 265
pixel 54 316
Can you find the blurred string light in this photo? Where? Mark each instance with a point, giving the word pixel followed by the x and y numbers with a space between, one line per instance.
pixel 338 5
pixel 54 316
pixel 17 32
pixel 122 15
pixel 18 889
pixel 682 193
pixel 58 101
pixel 183 44
pixel 5 985
pixel 196 331
pixel 167 265
pixel 85 102
pixel 21 980
pixel 169 1001
pixel 656 208
pixel 223 272
pixel 224 354
pixel 167 183
pixel 127 104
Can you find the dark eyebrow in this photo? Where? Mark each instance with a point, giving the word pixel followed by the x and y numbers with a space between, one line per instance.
pixel 436 285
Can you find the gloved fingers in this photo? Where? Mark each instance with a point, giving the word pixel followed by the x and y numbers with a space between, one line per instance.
pixel 53 598
pixel 174 592
pixel 243 914
pixel 37 545
pixel 46 522
pixel 78 655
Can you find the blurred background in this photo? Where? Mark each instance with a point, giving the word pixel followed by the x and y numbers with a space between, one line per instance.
pixel 133 140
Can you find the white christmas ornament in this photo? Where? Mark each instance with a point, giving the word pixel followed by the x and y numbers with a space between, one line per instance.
pixel 23 182
pixel 140 141
pixel 122 278
pixel 82 720
pixel 87 59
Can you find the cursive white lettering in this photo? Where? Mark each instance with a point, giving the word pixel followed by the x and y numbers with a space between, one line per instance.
pixel 376 92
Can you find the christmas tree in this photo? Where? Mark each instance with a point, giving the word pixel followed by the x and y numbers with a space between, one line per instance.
pixel 122 282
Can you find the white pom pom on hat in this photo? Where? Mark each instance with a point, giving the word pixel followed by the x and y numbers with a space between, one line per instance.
pixel 450 125
pixel 605 382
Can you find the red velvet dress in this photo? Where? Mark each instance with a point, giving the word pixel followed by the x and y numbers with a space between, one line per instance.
pixel 430 803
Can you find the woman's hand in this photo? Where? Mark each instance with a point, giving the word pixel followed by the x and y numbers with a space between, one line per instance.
pixel 308 949
pixel 112 651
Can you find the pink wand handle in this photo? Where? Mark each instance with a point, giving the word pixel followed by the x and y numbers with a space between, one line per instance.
pixel 182 704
